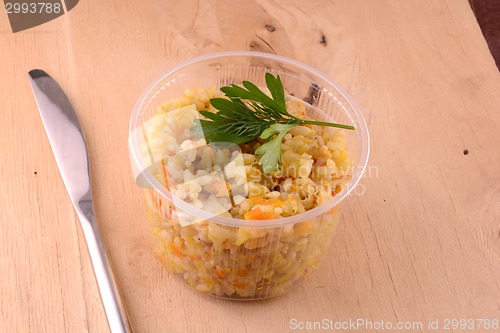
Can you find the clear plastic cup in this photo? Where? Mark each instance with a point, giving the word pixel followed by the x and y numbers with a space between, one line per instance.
pixel 229 257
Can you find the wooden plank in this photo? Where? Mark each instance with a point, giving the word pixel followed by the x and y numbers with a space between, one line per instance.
pixel 421 242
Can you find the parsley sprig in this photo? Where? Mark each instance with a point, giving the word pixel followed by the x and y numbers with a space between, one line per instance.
pixel 249 113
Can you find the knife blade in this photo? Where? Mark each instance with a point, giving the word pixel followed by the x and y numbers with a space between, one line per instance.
pixel 70 151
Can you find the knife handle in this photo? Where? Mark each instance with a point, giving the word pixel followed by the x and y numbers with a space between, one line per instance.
pixel 113 305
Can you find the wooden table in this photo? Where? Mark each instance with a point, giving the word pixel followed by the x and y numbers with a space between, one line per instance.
pixel 422 242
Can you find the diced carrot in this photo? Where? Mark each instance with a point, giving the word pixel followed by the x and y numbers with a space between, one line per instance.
pixel 239 284
pixel 258 214
pixel 164 172
pixel 152 198
pixel 155 200
pixel 176 251
pixel 264 201
pixel 219 273
pixel 256 200
pixel 337 189
pixel 242 272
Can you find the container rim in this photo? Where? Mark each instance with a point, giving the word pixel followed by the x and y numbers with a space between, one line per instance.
pixel 236 222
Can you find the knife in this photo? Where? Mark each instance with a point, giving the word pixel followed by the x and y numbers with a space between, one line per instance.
pixel 69 147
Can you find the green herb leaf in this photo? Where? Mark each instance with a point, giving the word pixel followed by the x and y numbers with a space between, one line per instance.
pixel 277 91
pixel 248 113
pixel 271 150
pixel 275 129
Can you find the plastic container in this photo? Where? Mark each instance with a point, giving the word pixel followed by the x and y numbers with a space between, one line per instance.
pixel 228 257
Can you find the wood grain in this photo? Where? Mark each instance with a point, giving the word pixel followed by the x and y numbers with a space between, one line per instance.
pixel 421 240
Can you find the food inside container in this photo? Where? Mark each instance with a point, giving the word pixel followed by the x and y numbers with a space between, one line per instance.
pixel 231 218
